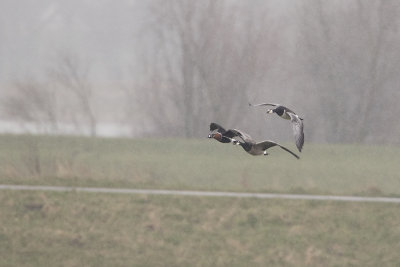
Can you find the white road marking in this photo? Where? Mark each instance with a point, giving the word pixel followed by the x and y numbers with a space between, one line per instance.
pixel 198 193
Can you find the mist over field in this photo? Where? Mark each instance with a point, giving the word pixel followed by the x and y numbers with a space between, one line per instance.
pixel 151 75
pixel 169 68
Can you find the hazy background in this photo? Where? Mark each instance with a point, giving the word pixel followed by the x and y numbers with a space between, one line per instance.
pixel 163 68
pixel 169 68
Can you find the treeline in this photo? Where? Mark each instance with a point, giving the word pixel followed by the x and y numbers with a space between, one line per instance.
pixel 335 63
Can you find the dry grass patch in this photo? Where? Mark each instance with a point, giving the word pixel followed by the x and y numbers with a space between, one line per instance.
pixel 82 229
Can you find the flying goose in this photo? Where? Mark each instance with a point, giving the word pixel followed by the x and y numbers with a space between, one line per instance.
pixel 287 114
pixel 218 133
pixel 247 143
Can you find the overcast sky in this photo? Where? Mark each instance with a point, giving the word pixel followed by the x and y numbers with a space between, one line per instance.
pixel 104 33
pixel 331 61
pixel 33 33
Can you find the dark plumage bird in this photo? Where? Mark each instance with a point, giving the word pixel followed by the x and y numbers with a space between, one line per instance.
pixel 288 114
pixel 246 142
pixel 218 133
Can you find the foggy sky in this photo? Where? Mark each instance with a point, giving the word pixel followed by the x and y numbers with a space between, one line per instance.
pixel 328 61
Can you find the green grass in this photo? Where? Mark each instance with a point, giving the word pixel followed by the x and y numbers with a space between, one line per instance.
pixel 198 165
pixel 86 229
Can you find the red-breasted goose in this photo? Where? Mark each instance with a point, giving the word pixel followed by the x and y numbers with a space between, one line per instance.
pixel 218 133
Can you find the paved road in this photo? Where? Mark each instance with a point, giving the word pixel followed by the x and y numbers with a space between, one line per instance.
pixel 198 193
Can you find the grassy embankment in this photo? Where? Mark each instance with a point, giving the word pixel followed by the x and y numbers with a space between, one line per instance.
pixel 87 229
pixel 78 229
pixel 198 165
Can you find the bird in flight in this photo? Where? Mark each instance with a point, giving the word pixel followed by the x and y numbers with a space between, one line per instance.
pixel 287 114
pixel 241 138
pixel 218 133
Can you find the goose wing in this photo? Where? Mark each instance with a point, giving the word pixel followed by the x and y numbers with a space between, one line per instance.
pixel 267 144
pixel 231 133
pixel 298 132
pixel 272 104
pixel 216 126
pixel 263 104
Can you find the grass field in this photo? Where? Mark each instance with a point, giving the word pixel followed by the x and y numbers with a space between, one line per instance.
pixel 88 229
pixel 77 229
pixel 198 165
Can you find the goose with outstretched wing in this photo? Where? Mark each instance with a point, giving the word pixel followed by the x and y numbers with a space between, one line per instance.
pixel 241 138
pixel 218 133
pixel 287 114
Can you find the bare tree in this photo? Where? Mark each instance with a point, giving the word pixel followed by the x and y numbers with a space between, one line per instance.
pixel 73 77
pixel 34 102
pixel 205 58
pixel 350 55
